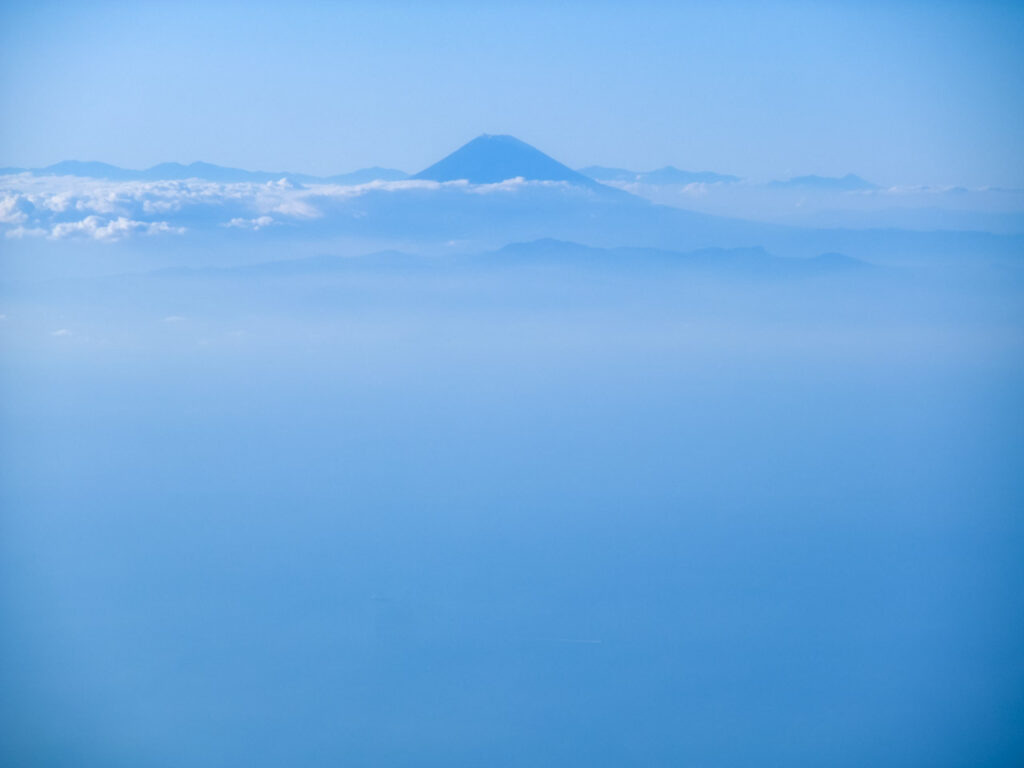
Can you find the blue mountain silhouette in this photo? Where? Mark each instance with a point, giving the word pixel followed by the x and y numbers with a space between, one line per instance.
pixel 488 159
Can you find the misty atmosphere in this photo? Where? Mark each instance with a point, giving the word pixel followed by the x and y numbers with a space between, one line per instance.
pixel 506 460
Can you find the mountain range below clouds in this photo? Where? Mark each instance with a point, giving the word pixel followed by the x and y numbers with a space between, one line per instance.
pixel 812 201
pixel 487 159
pixel 491 191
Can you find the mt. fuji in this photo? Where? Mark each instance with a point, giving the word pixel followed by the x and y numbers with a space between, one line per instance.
pixel 489 159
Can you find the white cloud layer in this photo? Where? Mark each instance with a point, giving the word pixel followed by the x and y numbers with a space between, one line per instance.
pixel 60 207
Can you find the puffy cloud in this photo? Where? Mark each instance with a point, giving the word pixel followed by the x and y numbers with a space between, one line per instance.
pixel 14 209
pixel 256 224
pixel 112 230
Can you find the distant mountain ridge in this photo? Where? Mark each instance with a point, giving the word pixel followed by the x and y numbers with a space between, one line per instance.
pixel 848 183
pixel 666 175
pixel 204 171
pixel 672 175
pixel 748 261
pixel 487 159
pixel 745 262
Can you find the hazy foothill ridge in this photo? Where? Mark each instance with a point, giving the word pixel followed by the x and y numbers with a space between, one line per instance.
pixel 203 171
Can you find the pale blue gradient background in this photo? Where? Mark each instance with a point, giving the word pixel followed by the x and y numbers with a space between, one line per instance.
pixel 688 491
pixel 901 93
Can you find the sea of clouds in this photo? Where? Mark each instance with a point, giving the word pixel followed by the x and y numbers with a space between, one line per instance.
pixel 60 207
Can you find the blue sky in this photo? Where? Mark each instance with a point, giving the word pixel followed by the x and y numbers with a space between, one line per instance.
pixel 901 93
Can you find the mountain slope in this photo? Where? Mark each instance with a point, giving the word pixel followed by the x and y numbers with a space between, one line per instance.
pixel 489 159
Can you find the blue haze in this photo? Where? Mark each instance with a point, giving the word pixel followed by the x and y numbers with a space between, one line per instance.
pixel 543 505
pixel 505 458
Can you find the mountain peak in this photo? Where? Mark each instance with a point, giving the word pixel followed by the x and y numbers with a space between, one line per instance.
pixel 491 158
